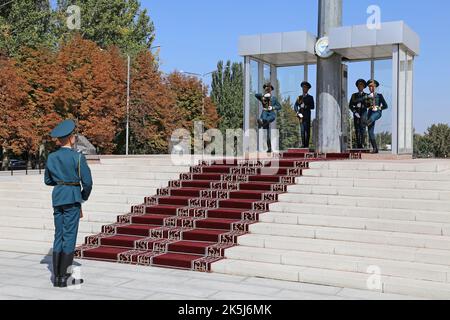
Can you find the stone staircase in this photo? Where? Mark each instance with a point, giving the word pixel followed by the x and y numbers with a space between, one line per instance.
pixel 26 223
pixel 350 224
pixel 190 223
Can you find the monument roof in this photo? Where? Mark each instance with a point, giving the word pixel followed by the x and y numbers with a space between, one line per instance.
pixel 353 42
pixel 361 43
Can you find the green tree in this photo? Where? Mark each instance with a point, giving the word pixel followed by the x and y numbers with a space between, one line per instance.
pixel 288 126
pixel 25 24
pixel 438 137
pixel 227 93
pixel 120 23
pixel 384 139
pixel 422 146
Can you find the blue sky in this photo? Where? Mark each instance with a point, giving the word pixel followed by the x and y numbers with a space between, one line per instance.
pixel 194 35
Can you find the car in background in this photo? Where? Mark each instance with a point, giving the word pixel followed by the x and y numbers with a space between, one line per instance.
pixel 15 164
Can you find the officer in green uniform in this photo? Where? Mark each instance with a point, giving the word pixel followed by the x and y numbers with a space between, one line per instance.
pixel 358 107
pixel 303 107
pixel 375 104
pixel 270 107
pixel 68 172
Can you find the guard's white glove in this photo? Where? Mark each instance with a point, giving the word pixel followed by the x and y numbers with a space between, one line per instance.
pixel 300 115
pixel 357 115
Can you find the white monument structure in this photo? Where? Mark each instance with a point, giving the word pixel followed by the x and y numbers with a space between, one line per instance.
pixel 330 52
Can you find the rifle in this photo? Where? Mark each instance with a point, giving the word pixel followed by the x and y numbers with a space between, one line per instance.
pixel 302 106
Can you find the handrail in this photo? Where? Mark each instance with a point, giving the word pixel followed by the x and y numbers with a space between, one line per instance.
pixel 39 169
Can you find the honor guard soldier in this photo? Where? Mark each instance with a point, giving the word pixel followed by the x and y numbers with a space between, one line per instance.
pixel 358 107
pixel 303 107
pixel 68 172
pixel 375 104
pixel 268 115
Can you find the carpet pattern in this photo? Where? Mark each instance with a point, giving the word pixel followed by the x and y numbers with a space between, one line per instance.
pixel 190 223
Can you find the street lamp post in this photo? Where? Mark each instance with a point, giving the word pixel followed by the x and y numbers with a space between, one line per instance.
pixel 127 138
pixel 128 105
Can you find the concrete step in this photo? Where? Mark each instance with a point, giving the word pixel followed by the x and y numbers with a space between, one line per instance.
pixel 378 200
pixel 361 236
pixel 385 175
pixel 409 270
pixel 370 191
pixel 90 216
pixel 30 204
pixel 428 166
pixel 374 213
pixel 112 180
pixel 390 225
pixel 34 234
pixel 120 169
pixel 134 175
pixel 96 196
pixel 43 195
pixel 85 226
pixel 26 246
pixel 375 183
pixel 425 289
pixel 348 248
pixel 98 185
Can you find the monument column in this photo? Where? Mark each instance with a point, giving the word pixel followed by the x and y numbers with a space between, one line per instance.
pixel 329 83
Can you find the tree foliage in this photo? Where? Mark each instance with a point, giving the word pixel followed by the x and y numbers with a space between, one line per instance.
pixel 51 73
pixel 435 142
pixel 15 122
pixel 153 114
pixel 288 126
pixel 92 89
pixel 192 100
pixel 25 24
pixel 110 22
pixel 227 92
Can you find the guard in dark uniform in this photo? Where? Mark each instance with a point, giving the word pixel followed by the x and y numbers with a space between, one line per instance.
pixel 303 107
pixel 358 107
pixel 68 172
pixel 375 104
pixel 268 115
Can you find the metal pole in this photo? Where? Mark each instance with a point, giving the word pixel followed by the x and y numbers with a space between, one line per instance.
pixel 128 106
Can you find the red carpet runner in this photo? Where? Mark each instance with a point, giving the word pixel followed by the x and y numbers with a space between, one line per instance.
pixel 189 224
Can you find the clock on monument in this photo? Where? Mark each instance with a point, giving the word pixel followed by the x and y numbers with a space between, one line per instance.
pixel 323 49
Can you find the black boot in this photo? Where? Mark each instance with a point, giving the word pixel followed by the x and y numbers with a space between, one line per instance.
pixel 269 145
pixel 66 263
pixel 260 124
pixel 375 147
pixel 56 267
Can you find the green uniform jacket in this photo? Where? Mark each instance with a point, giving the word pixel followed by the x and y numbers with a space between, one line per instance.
pixel 68 166
pixel 358 98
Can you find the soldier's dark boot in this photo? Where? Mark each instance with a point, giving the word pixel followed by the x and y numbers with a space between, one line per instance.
pixel 66 278
pixel 56 267
pixel 375 146
pixel 260 123
pixel 269 145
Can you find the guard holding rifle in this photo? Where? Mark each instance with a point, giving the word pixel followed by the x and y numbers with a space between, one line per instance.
pixel 270 106
pixel 358 107
pixel 67 171
pixel 375 103
pixel 303 107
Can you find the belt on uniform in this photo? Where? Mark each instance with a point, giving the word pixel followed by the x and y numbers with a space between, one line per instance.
pixel 73 184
